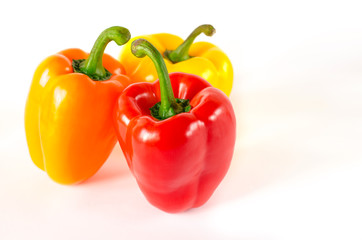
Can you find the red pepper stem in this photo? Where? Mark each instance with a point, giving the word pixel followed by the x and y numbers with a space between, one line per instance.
pixel 169 106
pixel 181 53
pixel 141 48
pixel 93 65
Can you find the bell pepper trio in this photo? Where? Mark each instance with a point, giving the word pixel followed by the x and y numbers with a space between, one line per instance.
pixel 177 133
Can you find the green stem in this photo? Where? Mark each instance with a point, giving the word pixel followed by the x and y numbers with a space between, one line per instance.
pixel 169 105
pixel 181 53
pixel 93 65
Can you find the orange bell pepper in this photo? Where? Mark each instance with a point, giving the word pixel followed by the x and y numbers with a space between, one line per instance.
pixel 68 114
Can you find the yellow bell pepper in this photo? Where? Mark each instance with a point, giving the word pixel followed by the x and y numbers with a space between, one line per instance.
pixel 201 58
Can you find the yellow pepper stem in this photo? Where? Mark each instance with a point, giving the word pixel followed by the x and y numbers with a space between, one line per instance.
pixel 181 53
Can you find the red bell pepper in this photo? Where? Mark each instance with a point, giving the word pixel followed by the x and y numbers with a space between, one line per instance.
pixel 178 149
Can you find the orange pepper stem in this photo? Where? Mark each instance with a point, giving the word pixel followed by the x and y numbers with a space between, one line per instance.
pixel 169 105
pixel 181 53
pixel 93 65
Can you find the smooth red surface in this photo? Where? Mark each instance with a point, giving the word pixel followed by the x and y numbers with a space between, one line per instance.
pixel 177 162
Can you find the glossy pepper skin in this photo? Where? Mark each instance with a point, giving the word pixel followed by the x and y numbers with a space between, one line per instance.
pixel 178 162
pixel 68 115
pixel 201 58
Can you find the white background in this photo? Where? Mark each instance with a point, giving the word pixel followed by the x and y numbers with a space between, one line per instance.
pixel 297 167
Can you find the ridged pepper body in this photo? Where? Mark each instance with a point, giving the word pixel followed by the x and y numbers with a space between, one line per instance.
pixel 68 117
pixel 177 162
